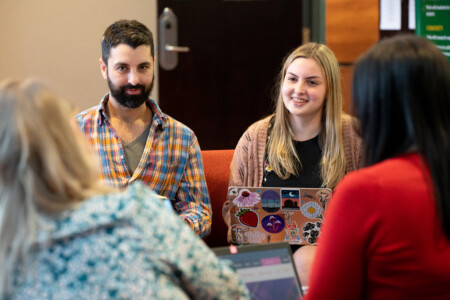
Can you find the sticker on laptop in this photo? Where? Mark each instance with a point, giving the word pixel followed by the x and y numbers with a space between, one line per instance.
pixel 237 233
pixel 246 198
pixel 254 237
pixel 290 199
pixel 312 210
pixel 311 231
pixel 307 196
pixel 233 191
pixel 324 196
pixel 292 234
pixel 273 223
pixel 270 201
pixel 248 217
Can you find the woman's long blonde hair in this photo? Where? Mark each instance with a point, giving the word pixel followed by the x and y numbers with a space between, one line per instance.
pixel 45 167
pixel 282 155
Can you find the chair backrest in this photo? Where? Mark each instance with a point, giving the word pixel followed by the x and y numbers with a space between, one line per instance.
pixel 216 164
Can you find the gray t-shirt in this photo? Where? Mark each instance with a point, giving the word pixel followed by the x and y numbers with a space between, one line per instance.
pixel 133 150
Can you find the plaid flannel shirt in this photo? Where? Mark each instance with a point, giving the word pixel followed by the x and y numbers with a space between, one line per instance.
pixel 171 163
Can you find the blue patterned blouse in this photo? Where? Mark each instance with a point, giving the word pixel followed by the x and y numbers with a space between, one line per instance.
pixel 123 246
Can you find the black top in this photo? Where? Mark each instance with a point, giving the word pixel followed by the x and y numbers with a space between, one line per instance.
pixel 310 155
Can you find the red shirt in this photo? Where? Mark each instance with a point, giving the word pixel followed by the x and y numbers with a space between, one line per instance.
pixel 382 237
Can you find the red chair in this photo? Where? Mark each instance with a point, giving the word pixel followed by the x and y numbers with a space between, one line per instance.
pixel 216 164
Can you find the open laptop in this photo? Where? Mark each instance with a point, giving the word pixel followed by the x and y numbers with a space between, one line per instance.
pixel 261 215
pixel 267 270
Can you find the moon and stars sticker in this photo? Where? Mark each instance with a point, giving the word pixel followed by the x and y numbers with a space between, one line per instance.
pixel 290 199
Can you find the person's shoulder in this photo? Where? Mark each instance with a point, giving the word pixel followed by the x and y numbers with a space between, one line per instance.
pixel 392 171
pixel 123 204
pixel 264 122
pixel 349 120
pixel 256 133
pixel 87 114
pixel 136 204
pixel 396 180
pixel 122 225
pixel 172 124
pixel 93 213
pixel 350 128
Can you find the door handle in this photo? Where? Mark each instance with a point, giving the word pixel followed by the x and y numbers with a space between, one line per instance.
pixel 176 48
pixel 168 40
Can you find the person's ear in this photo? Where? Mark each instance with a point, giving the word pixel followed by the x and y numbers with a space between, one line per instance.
pixel 103 68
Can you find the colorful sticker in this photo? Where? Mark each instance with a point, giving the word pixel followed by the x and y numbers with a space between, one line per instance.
pixel 287 216
pixel 246 198
pixel 273 223
pixel 248 217
pixel 324 196
pixel 233 191
pixel 311 232
pixel 270 201
pixel 254 237
pixel 312 210
pixel 307 197
pixel 237 233
pixel 292 234
pixel 290 199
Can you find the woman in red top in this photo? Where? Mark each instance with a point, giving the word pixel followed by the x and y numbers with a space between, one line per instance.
pixel 386 233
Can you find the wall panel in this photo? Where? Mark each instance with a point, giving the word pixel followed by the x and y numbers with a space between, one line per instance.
pixel 351 27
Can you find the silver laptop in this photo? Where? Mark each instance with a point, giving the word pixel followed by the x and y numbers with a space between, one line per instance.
pixel 268 270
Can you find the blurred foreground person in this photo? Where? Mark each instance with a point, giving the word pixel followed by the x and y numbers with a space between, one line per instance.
pixel 386 233
pixel 64 235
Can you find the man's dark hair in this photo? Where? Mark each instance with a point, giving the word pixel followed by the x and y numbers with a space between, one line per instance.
pixel 128 32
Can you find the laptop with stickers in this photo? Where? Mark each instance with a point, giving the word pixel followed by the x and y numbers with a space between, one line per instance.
pixel 267 270
pixel 261 215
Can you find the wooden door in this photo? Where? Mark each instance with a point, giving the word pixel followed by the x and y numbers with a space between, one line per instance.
pixel 224 83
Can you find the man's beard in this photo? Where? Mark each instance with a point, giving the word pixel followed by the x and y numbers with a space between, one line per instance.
pixel 130 101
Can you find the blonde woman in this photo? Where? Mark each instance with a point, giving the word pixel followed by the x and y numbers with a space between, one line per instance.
pixel 63 235
pixel 307 142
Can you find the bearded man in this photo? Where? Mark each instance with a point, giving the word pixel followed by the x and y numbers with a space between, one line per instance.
pixel 134 139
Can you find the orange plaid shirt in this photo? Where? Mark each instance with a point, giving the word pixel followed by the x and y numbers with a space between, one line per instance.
pixel 171 163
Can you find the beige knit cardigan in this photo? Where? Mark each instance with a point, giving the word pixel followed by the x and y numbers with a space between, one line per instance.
pixel 247 166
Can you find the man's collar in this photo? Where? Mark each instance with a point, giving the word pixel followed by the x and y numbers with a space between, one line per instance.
pixel 158 115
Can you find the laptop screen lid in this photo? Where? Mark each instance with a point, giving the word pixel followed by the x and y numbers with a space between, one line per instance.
pixel 260 215
pixel 268 270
